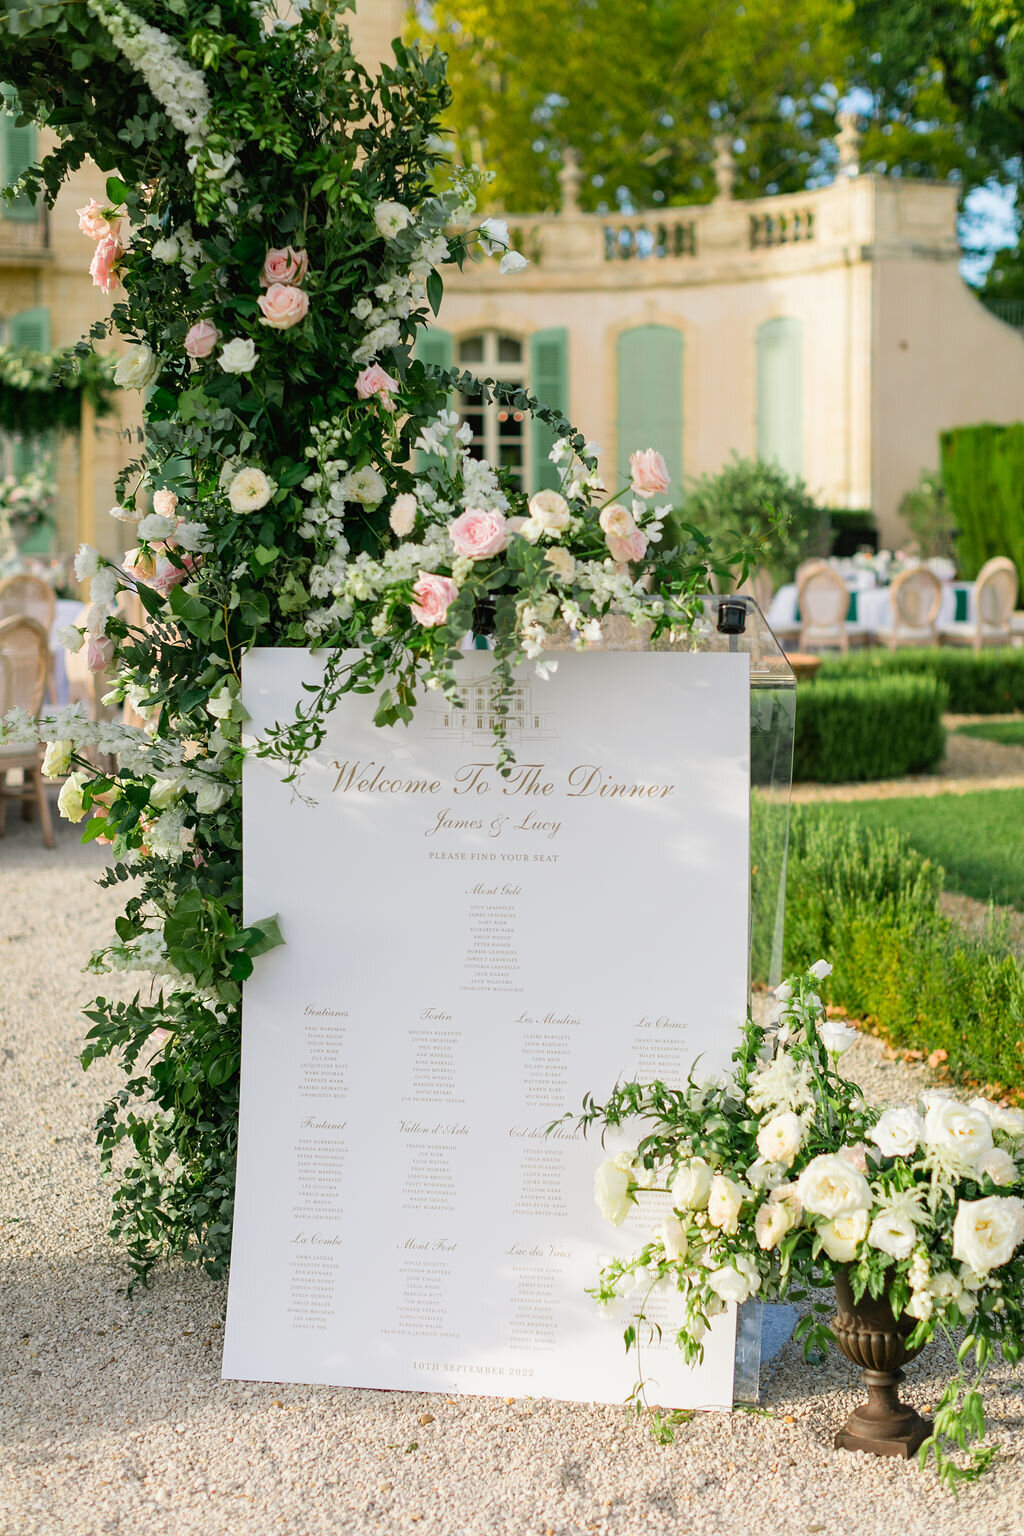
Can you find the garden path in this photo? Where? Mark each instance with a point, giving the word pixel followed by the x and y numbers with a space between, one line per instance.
pixel 114 1419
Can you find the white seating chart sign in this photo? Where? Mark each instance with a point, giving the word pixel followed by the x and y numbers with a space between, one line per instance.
pixel 466 955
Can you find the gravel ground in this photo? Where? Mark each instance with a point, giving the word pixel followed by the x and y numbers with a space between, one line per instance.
pixel 114 1418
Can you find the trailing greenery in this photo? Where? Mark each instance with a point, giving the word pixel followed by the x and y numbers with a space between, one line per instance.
pixel 978 838
pixel 758 504
pixel 849 729
pixel 41 392
pixel 990 682
pixel 865 897
pixel 983 473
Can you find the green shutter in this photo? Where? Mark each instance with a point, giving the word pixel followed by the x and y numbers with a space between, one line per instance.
pixel 549 382
pixel 780 394
pixel 650 386
pixel 17 153
pixel 29 330
pixel 435 348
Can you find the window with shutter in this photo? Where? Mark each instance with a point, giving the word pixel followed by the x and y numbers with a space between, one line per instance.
pixel 549 382
pixel 780 405
pixel 30 330
pixel 650 398
pixel 17 153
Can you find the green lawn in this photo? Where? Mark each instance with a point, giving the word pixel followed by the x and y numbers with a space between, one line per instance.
pixel 1009 733
pixel 977 838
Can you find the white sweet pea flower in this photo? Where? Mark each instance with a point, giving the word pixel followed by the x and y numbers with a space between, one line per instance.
pixel 783 992
pixel 512 261
pixel 155 527
pixel 70 639
pixel 898 1132
pixel 87 562
pixel 820 969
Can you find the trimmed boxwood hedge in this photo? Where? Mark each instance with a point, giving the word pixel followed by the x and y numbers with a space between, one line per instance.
pixel 868 727
pixel 865 900
pixel 989 683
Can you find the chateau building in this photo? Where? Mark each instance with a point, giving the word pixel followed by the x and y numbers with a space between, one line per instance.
pixel 829 330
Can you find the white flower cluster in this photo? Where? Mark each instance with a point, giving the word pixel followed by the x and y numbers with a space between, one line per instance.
pixel 177 85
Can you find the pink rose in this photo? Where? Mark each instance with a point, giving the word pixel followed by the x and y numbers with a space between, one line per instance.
pixel 138 565
pixel 856 1156
pixel 201 339
pixel 283 306
pixel 164 503
pixel 616 520
pixel 93 222
pixel 477 534
pixel 632 547
pixel 99 653
pixel 103 267
pixel 434 596
pixel 285 266
pixel 374 381
pixel 649 472
pixel 168 575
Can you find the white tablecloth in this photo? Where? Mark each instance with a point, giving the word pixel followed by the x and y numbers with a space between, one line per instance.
pixel 68 610
pixel 874 608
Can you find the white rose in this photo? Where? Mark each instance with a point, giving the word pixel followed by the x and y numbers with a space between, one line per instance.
pixel 780 1139
pixel 165 791
pixel 611 1191
pixel 250 490
pixel 724 1201
pixel 996 1165
pixel 986 1232
pixel 773 1220
pixel 893 1233
pixel 210 797
pixel 842 1236
pixel 167 249
pixel 955 1128
pixel 830 1186
pixel 898 1132
pixel 391 218
pixel 692 1185
pixel 736 1281
pixel 69 801
pixel 238 355
pixel 836 1036
pixel 87 562
pixel 672 1235
pixel 137 368
pixel 57 759
pixel 1009 1120
pixel 69 638
pixel 820 969
pixel 549 511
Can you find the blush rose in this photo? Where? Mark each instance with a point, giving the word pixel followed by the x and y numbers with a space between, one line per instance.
pixel 433 595
pixel 283 306
pixel 476 534
pixel 201 338
pixel 284 266
pixel 649 472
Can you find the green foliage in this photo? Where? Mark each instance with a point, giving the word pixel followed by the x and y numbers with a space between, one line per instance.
pixel 760 505
pixel 641 92
pixel 978 838
pixel 987 683
pixel 927 512
pixel 854 728
pixel 41 392
pixel 1008 733
pixel 983 471
pixel 866 898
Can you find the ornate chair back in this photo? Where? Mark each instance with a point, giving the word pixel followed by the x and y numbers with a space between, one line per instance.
pixel 28 595
pixel 24 660
pixel 995 597
pixel 916 596
pixel 824 601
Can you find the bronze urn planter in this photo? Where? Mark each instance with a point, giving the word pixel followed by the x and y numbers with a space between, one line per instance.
pixel 867 1333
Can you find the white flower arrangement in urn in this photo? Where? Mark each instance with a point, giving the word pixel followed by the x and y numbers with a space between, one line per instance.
pixel 784 1180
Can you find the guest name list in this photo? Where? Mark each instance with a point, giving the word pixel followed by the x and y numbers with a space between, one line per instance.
pixel 467 954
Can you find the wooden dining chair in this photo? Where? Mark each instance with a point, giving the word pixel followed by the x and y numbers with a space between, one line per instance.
pixel 24 667
pixel 995 597
pixel 824 601
pixel 35 599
